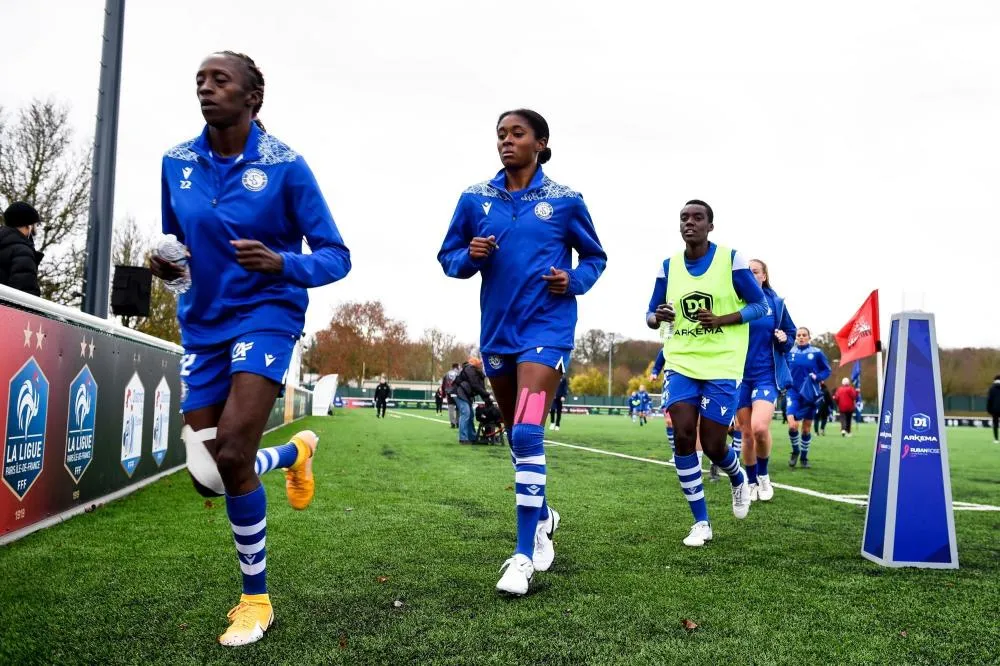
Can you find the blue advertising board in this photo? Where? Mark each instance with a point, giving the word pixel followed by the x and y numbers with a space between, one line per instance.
pixel 910 520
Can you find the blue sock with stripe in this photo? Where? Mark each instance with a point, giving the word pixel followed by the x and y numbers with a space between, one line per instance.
pixel 762 466
pixel 248 519
pixel 275 457
pixel 807 439
pixel 738 441
pixel 730 464
pixel 793 436
pixel 670 438
pixel 751 473
pixel 689 475
pixel 545 503
pixel 529 483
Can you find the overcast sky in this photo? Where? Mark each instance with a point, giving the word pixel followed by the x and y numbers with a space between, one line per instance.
pixel 851 145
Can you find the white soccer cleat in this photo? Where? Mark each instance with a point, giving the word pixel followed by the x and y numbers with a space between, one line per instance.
pixel 545 552
pixel 754 489
pixel 552 426
pixel 741 500
pixel 700 534
pixel 765 491
pixel 557 427
pixel 517 576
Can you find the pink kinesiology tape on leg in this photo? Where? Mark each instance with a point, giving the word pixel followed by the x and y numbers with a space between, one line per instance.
pixel 532 408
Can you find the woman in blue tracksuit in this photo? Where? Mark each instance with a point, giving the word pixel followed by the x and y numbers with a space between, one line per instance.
pixel 764 374
pixel 518 231
pixel 808 367
pixel 241 202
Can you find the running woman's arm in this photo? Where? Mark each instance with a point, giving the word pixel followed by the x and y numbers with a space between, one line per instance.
pixel 746 287
pixel 658 310
pixel 658 364
pixel 454 255
pixel 822 367
pixel 162 269
pixel 788 327
pixel 330 259
pixel 592 257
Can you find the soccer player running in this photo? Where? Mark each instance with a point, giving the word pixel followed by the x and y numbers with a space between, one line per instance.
pixel 645 405
pixel 808 366
pixel 764 373
pixel 241 201
pixel 518 232
pixel 705 355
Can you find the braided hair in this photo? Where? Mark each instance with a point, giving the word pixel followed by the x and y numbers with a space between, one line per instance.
pixel 254 81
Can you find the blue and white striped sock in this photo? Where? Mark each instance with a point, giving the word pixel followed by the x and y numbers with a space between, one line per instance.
pixel 248 519
pixel 274 457
pixel 670 438
pixel 738 441
pixel 730 464
pixel 793 436
pixel 689 475
pixel 529 483
pixel 545 503
pixel 807 439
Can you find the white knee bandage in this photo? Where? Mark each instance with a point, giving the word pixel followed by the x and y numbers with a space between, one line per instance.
pixel 200 462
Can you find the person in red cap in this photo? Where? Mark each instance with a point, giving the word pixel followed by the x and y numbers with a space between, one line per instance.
pixel 18 257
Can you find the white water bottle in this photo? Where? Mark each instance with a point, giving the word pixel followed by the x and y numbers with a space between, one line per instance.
pixel 172 250
pixel 669 331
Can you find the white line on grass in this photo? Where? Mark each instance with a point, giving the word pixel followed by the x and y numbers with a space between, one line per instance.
pixel 855 500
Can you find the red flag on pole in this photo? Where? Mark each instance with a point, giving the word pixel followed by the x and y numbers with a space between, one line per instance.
pixel 860 336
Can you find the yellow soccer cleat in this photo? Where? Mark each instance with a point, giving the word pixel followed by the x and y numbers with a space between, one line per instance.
pixel 249 620
pixel 299 483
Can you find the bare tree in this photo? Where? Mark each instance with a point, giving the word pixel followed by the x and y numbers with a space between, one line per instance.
pixel 39 165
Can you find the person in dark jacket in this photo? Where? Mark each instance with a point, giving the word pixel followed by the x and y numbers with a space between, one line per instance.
pixel 993 406
pixel 438 400
pixel 823 407
pixel 382 392
pixel 18 258
pixel 471 382
pixel 555 412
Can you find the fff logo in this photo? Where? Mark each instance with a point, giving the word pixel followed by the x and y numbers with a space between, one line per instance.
pixel 920 422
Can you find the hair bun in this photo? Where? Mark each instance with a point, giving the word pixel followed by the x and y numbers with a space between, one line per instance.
pixel 545 156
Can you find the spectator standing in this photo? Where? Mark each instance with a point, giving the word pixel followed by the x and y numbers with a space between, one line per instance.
pixel 993 406
pixel 382 393
pixel 448 387
pixel 845 397
pixel 18 257
pixel 471 382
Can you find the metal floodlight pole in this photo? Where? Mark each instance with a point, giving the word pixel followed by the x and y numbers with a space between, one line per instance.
pixel 611 347
pixel 97 274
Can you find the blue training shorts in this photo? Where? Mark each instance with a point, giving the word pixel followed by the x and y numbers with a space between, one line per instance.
pixel 716 398
pixel 496 365
pixel 799 408
pixel 205 371
pixel 757 389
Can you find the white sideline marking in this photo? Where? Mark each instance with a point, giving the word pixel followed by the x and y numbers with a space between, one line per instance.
pixel 855 500
pixel 395 416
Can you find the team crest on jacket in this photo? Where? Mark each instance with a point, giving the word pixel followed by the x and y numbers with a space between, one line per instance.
pixel 495 361
pixel 543 210
pixel 254 180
